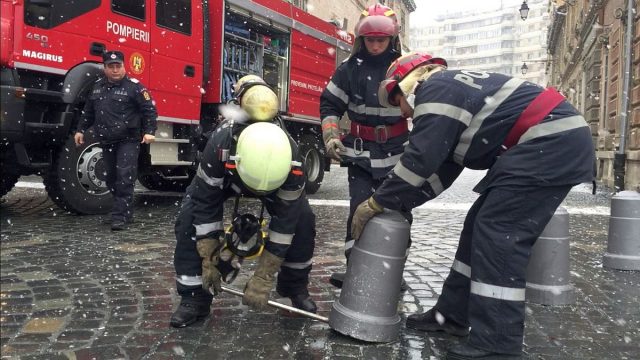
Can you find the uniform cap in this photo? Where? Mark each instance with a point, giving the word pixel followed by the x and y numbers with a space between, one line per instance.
pixel 110 57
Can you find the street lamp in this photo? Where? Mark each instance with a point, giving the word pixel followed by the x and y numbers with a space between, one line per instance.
pixel 524 68
pixel 524 12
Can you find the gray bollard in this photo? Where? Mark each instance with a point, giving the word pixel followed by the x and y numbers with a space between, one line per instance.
pixel 623 244
pixel 548 269
pixel 368 305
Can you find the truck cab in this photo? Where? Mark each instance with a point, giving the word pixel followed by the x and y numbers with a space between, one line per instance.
pixel 188 53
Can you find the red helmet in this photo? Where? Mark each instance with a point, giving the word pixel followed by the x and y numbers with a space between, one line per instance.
pixel 399 69
pixel 377 20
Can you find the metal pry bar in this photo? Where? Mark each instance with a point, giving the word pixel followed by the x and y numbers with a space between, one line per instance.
pixel 281 306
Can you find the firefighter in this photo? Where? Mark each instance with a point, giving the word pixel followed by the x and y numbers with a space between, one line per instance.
pixel 252 158
pixel 535 146
pixel 124 116
pixel 377 134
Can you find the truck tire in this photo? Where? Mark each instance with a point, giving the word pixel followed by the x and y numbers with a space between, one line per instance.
pixel 76 181
pixel 312 152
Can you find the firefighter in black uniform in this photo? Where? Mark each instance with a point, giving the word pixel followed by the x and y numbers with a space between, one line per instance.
pixel 259 159
pixel 377 135
pixel 535 145
pixel 124 116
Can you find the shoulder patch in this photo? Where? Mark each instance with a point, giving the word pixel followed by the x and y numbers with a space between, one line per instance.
pixel 134 80
pixel 146 95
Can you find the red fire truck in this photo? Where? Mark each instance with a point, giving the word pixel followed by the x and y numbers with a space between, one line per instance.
pixel 188 53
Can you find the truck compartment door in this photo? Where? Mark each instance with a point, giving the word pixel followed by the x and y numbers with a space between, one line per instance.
pixel 312 64
pixel 176 59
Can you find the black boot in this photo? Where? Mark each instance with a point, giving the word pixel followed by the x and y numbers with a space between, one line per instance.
pixel 119 226
pixel 188 313
pixel 429 322
pixel 300 301
pixel 337 279
pixel 304 302
pixel 468 352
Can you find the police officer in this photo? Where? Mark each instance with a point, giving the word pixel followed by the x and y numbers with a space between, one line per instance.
pixel 375 141
pixel 535 145
pixel 258 159
pixel 124 116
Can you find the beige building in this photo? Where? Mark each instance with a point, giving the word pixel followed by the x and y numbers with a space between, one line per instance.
pixel 345 13
pixel 490 40
pixel 588 47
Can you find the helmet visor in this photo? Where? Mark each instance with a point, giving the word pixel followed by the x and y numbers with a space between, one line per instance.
pixel 377 26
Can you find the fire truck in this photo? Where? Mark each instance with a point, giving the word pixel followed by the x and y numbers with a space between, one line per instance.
pixel 188 53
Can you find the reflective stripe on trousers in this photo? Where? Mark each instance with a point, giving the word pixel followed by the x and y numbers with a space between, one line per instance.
pixel 486 285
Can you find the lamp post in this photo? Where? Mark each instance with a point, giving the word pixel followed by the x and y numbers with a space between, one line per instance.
pixel 524 68
pixel 524 12
pixel 620 157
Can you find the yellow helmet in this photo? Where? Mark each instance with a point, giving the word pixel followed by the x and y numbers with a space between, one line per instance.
pixel 246 80
pixel 263 157
pixel 256 98
pixel 260 102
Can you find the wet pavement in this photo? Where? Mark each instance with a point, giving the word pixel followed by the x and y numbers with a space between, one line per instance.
pixel 72 289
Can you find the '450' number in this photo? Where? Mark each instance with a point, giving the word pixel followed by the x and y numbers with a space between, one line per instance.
pixel 37 37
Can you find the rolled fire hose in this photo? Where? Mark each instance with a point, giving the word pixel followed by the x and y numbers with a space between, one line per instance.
pixel 281 306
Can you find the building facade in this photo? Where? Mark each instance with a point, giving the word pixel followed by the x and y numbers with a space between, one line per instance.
pixel 495 40
pixel 588 46
pixel 345 13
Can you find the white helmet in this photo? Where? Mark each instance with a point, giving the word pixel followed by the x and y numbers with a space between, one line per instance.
pixel 263 157
pixel 256 98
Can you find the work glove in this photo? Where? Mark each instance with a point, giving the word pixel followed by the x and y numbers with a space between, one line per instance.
pixel 211 278
pixel 334 148
pixel 256 292
pixel 364 212
pixel 331 137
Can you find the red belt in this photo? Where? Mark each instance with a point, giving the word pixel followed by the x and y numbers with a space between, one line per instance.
pixel 380 133
pixel 533 114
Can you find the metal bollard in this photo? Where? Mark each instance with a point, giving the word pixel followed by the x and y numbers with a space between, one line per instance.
pixel 368 305
pixel 548 269
pixel 623 244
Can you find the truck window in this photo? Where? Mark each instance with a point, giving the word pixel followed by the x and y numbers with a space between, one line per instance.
pixel 131 8
pixel 174 15
pixel 46 14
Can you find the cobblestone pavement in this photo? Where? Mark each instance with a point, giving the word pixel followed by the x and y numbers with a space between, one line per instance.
pixel 72 289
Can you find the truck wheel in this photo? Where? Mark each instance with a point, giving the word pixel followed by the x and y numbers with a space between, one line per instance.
pixel 156 181
pixel 312 152
pixel 76 181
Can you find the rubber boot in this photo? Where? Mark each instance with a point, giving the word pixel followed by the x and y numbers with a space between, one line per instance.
pixel 434 321
pixel 188 313
pixel 194 305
